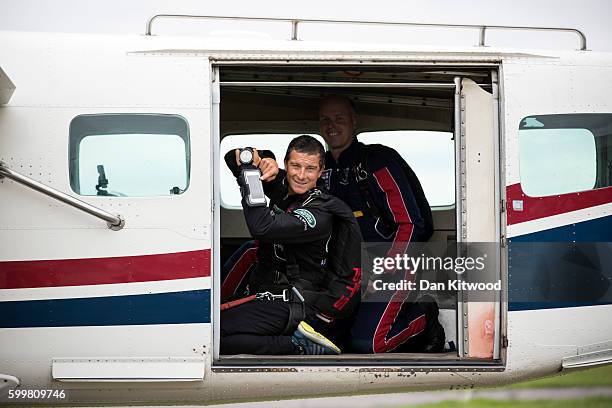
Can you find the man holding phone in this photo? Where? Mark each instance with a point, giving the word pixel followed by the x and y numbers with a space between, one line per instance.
pixel 304 283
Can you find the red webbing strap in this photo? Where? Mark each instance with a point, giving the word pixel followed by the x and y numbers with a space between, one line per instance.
pixel 237 302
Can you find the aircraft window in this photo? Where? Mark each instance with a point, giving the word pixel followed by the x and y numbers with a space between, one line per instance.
pixel 430 154
pixel 277 143
pixel 129 155
pixel 564 153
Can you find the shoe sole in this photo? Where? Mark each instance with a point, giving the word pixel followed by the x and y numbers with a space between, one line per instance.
pixel 312 335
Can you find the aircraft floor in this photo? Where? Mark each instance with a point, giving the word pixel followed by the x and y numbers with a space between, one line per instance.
pixel 451 355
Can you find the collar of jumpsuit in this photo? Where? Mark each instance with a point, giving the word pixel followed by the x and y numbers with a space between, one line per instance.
pixel 347 158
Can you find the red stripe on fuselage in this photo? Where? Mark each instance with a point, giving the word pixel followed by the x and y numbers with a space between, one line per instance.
pixel 540 207
pixel 100 271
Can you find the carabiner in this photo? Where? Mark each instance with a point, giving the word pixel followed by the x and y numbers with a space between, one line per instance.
pixel 360 173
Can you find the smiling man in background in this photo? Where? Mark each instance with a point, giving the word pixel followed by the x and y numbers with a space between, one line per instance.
pixel 390 206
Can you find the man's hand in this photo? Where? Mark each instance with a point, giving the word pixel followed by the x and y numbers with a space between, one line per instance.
pixel 269 169
pixel 237 152
pixel 267 165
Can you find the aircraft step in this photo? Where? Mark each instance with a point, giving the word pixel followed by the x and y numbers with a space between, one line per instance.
pixel 136 369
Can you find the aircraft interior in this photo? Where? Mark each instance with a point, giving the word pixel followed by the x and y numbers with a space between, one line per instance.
pixel 410 108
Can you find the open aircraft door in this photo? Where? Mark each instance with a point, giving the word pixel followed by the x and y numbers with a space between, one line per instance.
pixel 478 214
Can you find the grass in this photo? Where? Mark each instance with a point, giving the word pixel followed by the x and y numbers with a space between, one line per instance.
pixel 489 403
pixel 596 377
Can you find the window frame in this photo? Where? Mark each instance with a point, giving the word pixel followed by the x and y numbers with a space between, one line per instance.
pixel 573 121
pixel 86 125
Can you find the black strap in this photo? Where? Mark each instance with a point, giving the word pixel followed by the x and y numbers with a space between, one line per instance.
pixel 297 313
pixel 292 269
pixel 362 176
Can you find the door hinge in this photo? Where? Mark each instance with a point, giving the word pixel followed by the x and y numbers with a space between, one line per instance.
pixel 502 205
pixel 504 342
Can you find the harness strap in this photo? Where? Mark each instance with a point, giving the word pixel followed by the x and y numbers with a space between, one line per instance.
pixel 237 302
pixel 297 313
pixel 285 297
pixel 361 177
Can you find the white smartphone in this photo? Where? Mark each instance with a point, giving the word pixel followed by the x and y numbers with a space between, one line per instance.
pixel 255 194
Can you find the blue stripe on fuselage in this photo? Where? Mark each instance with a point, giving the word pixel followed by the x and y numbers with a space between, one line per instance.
pixel 568 266
pixel 159 308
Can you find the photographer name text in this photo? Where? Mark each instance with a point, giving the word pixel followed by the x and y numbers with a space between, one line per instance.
pixel 423 284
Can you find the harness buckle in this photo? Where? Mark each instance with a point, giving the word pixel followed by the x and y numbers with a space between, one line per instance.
pixel 376 228
pixel 360 173
pixel 264 296
pixel 285 295
pixel 271 296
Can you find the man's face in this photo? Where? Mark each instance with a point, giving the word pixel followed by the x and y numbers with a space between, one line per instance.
pixel 303 170
pixel 337 122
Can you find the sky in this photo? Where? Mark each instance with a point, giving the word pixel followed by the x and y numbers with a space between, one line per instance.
pixel 130 16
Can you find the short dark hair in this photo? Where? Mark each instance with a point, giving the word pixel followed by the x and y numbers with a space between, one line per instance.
pixel 309 145
pixel 350 102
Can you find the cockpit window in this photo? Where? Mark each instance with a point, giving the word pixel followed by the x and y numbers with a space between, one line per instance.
pixel 129 155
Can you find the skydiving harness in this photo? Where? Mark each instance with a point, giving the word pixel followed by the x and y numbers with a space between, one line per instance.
pixel 383 223
pixel 361 177
pixel 292 273
pixel 285 297
pixel 297 305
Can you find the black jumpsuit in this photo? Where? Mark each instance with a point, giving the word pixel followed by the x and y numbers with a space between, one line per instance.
pixel 298 227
